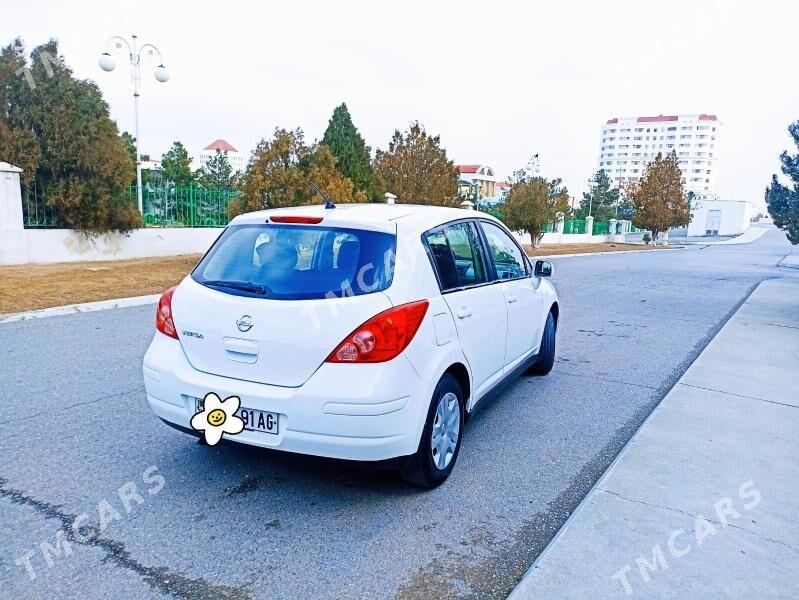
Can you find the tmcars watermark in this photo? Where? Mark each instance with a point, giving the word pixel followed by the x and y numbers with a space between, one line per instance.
pixel 79 529
pixel 679 543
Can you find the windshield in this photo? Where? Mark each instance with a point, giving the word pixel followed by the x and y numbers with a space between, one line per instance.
pixel 296 262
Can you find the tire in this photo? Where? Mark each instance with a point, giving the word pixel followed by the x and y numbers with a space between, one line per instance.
pixel 546 353
pixel 429 467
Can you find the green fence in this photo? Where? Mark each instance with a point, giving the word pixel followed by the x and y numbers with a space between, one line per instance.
pixel 601 227
pixel 185 207
pixel 35 212
pixel 574 226
pixel 494 211
pixel 162 207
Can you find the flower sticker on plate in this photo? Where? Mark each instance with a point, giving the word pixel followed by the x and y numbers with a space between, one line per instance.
pixel 218 417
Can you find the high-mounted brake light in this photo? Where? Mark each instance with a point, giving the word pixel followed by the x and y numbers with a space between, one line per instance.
pixel 163 318
pixel 295 219
pixel 383 336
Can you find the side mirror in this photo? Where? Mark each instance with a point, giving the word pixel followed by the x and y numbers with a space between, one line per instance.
pixel 543 268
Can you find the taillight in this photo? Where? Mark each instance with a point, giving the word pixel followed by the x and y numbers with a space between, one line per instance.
pixel 383 336
pixel 163 318
pixel 293 219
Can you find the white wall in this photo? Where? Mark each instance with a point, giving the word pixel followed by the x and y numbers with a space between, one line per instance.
pixel 735 216
pixel 567 238
pixel 64 245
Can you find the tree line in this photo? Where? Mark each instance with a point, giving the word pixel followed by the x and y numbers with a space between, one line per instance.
pixel 58 129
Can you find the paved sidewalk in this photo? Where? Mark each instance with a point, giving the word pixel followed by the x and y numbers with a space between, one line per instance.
pixel 754 232
pixel 792 259
pixel 704 500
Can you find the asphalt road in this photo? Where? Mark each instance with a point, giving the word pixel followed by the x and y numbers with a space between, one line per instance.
pixel 233 521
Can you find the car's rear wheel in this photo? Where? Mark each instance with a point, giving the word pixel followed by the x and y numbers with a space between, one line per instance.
pixel 441 437
pixel 546 353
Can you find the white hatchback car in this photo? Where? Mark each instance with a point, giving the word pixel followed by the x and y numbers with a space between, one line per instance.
pixel 362 332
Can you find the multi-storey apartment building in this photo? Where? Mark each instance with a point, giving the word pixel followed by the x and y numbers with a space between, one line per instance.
pixel 628 144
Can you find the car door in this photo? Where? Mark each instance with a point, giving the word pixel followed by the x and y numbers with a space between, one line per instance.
pixel 520 293
pixel 477 305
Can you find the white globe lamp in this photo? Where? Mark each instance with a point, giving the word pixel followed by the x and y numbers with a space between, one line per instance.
pixel 161 74
pixel 107 62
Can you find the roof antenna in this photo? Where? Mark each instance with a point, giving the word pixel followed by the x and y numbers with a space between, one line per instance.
pixel 328 203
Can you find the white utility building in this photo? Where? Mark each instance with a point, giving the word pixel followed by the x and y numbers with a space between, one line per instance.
pixel 628 144
pixel 720 217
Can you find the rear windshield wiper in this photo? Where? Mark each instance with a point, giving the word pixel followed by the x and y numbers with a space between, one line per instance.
pixel 244 286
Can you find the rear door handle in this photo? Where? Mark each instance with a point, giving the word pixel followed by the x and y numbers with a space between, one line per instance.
pixel 463 312
pixel 512 298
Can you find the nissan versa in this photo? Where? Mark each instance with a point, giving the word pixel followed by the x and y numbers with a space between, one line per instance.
pixel 362 332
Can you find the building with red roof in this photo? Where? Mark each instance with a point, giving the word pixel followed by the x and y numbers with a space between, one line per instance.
pixel 477 175
pixel 235 157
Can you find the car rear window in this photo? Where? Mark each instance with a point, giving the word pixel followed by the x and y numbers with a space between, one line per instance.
pixel 298 262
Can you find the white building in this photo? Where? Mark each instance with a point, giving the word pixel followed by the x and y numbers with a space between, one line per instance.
pixel 235 158
pixel 628 144
pixel 720 217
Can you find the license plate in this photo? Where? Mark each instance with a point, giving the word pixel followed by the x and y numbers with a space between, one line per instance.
pixel 254 420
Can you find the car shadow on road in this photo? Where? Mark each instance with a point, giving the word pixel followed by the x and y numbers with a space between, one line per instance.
pixel 257 469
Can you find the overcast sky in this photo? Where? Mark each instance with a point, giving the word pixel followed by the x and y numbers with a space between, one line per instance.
pixel 499 81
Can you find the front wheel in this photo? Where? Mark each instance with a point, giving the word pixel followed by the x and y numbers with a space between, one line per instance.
pixel 441 437
pixel 546 353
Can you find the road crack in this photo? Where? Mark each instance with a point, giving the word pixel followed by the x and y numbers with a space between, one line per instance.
pixel 77 404
pixel 161 579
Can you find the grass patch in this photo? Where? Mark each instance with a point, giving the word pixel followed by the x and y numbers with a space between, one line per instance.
pixel 554 249
pixel 31 287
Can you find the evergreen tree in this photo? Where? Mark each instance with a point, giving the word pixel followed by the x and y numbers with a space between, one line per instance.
pixel 347 145
pixel 600 199
pixel 58 129
pixel 532 203
pixel 659 200
pixel 217 173
pixel 130 148
pixel 176 166
pixel 280 169
pixel 416 169
pixel 782 200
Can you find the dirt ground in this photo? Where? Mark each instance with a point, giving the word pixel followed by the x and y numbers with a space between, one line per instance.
pixel 554 249
pixel 30 287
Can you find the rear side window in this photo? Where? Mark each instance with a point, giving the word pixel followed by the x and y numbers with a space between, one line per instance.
pixel 508 260
pixel 296 262
pixel 458 256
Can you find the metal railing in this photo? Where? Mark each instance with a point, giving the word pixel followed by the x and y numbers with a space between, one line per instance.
pixel 162 206
pixel 35 211
pixel 574 226
pixel 601 228
pixel 185 207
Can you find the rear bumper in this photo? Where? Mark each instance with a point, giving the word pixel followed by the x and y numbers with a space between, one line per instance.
pixel 365 412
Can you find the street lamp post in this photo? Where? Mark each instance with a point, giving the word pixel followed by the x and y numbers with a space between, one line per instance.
pixel 534 166
pixel 107 63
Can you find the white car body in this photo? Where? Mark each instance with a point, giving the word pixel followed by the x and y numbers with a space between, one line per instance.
pixel 366 412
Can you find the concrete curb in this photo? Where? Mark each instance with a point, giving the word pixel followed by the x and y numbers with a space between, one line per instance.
pixel 72 309
pixel 789 261
pixel 600 253
pixel 747 237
